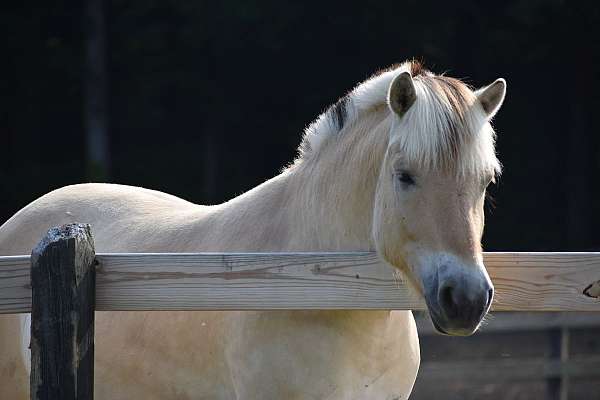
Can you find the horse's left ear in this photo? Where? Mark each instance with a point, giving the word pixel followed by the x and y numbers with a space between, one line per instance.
pixel 492 96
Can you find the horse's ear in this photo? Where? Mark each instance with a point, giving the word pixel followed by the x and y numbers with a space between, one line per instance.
pixel 492 96
pixel 401 94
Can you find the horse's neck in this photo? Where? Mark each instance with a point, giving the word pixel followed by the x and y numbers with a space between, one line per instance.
pixel 321 203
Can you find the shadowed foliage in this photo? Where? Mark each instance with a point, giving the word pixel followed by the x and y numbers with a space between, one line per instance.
pixel 207 99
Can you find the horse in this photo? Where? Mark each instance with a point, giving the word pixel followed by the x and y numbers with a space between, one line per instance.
pixel 399 165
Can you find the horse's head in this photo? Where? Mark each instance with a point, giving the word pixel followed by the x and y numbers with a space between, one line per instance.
pixel 428 215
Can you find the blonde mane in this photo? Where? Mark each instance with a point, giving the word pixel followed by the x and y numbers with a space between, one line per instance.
pixel 444 128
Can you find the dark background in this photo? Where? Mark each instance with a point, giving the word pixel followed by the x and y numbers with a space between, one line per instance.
pixel 205 100
pixel 208 99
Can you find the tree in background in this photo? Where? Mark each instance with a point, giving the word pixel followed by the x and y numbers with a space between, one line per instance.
pixel 96 93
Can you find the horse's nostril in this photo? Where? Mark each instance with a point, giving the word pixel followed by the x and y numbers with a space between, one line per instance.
pixel 489 298
pixel 446 299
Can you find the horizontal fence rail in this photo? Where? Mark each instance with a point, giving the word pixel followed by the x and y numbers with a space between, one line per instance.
pixel 522 321
pixel 271 281
pixel 526 369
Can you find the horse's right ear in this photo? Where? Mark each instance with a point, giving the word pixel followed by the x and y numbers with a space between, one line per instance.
pixel 401 94
pixel 491 97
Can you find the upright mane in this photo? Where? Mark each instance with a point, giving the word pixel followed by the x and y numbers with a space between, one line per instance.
pixel 441 129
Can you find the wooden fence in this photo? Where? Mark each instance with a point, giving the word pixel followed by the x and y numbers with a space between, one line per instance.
pixel 64 281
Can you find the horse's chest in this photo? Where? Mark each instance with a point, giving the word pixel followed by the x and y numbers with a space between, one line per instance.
pixel 267 355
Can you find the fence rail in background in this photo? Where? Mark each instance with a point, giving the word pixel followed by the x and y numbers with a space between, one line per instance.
pixel 244 281
pixel 513 369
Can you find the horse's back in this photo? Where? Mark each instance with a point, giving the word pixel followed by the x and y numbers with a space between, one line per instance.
pixel 107 207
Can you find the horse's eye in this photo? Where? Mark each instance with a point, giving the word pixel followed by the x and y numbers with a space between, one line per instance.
pixel 406 178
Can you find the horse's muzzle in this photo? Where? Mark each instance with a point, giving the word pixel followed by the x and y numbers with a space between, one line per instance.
pixel 458 298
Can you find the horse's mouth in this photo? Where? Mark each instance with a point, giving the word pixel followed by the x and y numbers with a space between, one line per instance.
pixel 453 331
pixel 463 324
pixel 438 328
pixel 458 295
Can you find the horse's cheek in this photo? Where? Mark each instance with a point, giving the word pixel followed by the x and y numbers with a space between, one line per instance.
pixel 390 235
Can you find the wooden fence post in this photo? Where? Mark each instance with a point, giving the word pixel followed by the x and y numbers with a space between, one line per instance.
pixel 62 315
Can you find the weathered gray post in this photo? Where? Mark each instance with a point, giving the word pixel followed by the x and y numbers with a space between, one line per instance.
pixel 62 314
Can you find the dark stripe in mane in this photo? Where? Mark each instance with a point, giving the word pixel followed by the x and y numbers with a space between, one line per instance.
pixel 416 68
pixel 339 113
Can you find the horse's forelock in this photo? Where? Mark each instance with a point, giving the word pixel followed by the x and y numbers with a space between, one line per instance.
pixel 443 130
